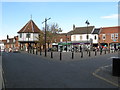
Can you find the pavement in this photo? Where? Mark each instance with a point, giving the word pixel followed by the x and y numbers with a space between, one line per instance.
pixel 105 73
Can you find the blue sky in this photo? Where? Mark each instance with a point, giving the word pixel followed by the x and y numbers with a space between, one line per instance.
pixel 16 14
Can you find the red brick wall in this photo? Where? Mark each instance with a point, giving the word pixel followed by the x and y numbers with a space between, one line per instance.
pixel 108 31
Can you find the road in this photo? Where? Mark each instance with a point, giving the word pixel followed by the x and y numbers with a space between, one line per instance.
pixel 23 70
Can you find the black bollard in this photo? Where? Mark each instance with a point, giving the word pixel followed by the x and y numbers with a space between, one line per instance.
pixel 81 54
pixel 60 55
pixel 95 53
pixel 33 50
pixel 40 52
pixel 100 52
pixel 105 51
pixel 72 55
pixel 51 54
pixel 30 50
pixel 36 51
pixel 89 53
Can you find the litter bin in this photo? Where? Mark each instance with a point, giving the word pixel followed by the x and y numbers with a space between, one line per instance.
pixel 116 66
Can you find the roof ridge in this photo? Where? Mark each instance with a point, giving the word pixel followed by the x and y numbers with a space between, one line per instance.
pixel 26 26
pixel 32 26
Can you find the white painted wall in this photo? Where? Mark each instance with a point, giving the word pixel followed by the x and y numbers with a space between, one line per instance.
pixel 33 37
pixel 91 36
pixel 2 46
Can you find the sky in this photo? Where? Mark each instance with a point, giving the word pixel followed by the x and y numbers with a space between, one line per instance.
pixel 16 14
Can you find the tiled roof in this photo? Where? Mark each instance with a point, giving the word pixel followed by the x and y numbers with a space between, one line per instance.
pixel 96 31
pixel 82 30
pixel 115 29
pixel 30 27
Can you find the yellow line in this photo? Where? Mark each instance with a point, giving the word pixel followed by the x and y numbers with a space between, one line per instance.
pixel 104 78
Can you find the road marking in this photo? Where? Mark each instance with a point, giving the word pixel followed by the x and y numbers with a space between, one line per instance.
pixel 94 74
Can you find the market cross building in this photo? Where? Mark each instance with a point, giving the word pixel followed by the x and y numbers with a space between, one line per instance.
pixel 28 36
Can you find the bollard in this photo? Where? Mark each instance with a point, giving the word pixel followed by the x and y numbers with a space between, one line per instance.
pixel 33 50
pixel 89 53
pixel 72 55
pixel 81 54
pixel 108 51
pixel 60 55
pixel 105 51
pixel 51 54
pixel 100 52
pixel 40 52
pixel 30 50
pixel 95 53
pixel 36 52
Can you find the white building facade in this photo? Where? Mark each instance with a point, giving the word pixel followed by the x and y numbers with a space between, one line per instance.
pixel 86 37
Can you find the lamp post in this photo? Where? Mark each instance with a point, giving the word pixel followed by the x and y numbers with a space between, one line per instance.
pixel 39 44
pixel 87 33
pixel 66 42
pixel 45 33
pixel 28 40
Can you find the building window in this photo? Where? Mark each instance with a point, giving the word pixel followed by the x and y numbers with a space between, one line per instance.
pixel 112 36
pixel 20 35
pixel 61 40
pixel 95 37
pixel 28 35
pixel 80 37
pixel 8 41
pixel 74 38
pixel 14 40
pixel 87 36
pixel 116 35
pixel 103 36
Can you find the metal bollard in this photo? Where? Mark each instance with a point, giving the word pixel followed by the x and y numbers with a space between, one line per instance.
pixel 89 53
pixel 95 53
pixel 40 52
pixel 105 51
pixel 33 50
pixel 36 52
pixel 60 55
pixel 72 55
pixel 100 52
pixel 81 54
pixel 30 50
pixel 51 54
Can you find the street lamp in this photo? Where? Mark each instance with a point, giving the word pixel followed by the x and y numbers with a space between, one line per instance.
pixel 87 31
pixel 40 44
pixel 45 33
pixel 28 40
pixel 66 42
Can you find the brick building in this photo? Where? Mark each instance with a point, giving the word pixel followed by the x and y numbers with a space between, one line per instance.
pixel 110 37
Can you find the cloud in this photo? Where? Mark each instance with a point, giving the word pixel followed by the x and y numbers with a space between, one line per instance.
pixel 113 16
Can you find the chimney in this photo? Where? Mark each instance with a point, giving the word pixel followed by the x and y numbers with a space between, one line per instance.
pixel 73 26
pixel 7 37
